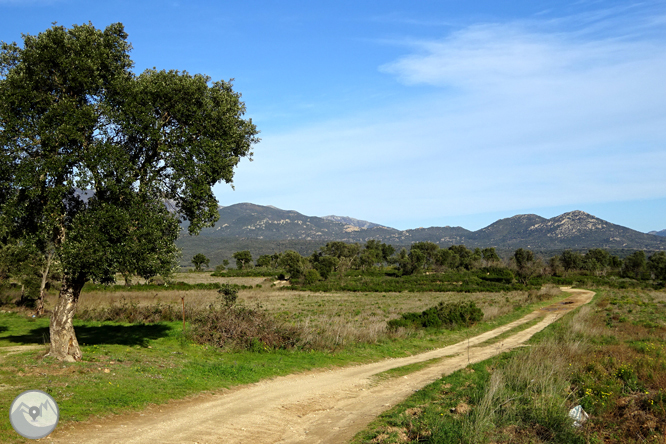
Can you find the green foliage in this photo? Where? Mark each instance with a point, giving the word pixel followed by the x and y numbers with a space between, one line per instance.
pixel 412 262
pixel 490 255
pixel 392 280
pixel 132 236
pixel 447 258
pixel 572 260
pixel 525 264
pixel 264 261
pixel 496 274
pixel 199 261
pixel 523 258
pixel 428 252
pixel 229 294
pixel 251 272
pixel 311 276
pixel 243 259
pixel 634 265
pixel 293 263
pixel 73 116
pixel 324 264
pixel 89 286
pixel 446 315
pixel 657 265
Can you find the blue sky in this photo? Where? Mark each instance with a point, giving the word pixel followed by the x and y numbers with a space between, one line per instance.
pixel 421 113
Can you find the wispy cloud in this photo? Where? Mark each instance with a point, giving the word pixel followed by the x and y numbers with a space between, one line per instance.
pixel 517 116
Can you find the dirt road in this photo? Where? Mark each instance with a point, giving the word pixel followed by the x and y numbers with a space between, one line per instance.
pixel 318 407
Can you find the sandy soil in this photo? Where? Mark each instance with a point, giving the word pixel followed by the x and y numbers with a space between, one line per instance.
pixel 325 406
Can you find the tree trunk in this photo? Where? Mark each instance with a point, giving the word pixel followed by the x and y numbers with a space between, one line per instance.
pixel 64 345
pixel 39 308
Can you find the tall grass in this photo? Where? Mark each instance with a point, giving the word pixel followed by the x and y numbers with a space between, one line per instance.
pixel 609 357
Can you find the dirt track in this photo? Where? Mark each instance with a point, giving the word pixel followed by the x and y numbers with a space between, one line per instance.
pixel 317 407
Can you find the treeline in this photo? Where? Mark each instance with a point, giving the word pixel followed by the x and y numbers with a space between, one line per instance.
pixel 523 266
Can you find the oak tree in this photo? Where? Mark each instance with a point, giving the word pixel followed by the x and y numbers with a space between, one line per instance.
pixel 74 117
pixel 200 261
pixel 243 259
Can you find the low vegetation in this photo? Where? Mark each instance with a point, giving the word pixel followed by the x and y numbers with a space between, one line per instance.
pixel 291 313
pixel 449 315
pixel 136 352
pixel 610 358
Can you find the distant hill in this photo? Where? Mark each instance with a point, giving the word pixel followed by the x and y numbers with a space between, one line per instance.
pixel 269 229
pixel 658 233
pixel 353 222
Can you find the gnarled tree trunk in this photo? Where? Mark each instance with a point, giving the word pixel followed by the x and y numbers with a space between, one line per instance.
pixel 64 345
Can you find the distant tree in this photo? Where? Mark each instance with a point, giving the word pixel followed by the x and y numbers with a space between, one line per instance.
pixel 26 264
pixel 447 258
pixel 199 261
pixel 428 250
pixel 223 265
pixel 264 261
pixel 596 260
pixel 275 259
pixel 634 265
pixel 615 263
pixel 371 255
pixel 311 276
pixel 243 259
pixel 657 265
pixel 73 116
pixel 571 260
pixel 466 257
pixel 324 264
pixel 525 265
pixel 523 258
pixel 476 258
pixel 555 265
pixel 293 263
pixel 490 256
pixel 413 262
pixel 347 255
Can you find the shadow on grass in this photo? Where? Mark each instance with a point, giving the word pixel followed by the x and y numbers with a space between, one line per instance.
pixel 105 334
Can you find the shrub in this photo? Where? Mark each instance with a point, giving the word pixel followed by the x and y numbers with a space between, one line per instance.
pixel 311 276
pixel 449 315
pixel 244 328
pixel 229 294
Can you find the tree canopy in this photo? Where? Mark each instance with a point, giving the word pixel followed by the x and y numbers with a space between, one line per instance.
pixel 74 117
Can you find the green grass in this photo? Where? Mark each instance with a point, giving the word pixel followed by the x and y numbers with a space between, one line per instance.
pixel 406 369
pixel 609 356
pixel 510 332
pixel 153 363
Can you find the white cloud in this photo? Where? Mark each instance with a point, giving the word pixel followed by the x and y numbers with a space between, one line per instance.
pixel 516 118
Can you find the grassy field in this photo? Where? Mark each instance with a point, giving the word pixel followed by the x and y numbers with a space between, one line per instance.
pixel 609 357
pixel 329 319
pixel 129 366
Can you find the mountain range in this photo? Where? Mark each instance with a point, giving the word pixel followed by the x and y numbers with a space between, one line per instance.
pixel 267 229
